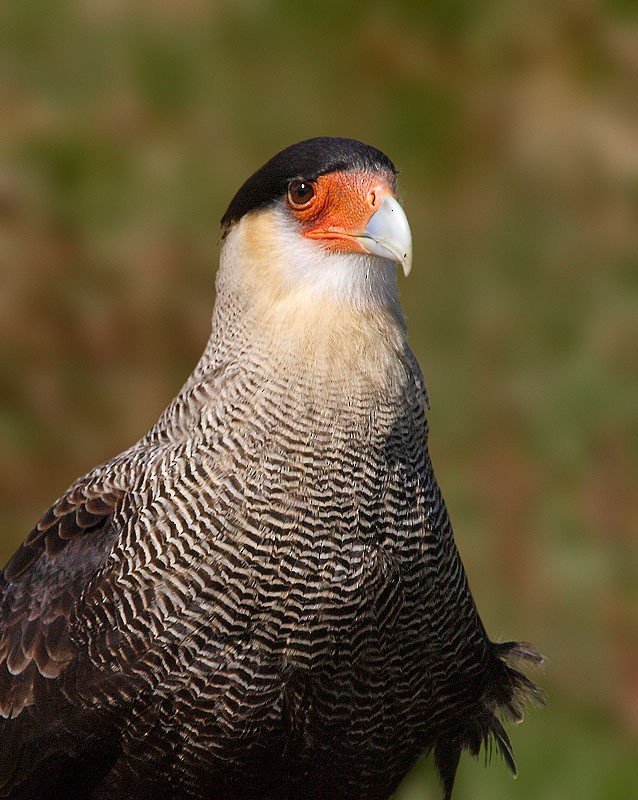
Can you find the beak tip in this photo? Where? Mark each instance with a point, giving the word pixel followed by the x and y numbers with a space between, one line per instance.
pixel 388 235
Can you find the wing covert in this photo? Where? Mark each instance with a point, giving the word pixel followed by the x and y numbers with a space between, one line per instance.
pixel 41 586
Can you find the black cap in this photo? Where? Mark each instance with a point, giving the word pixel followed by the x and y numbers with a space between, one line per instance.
pixel 308 159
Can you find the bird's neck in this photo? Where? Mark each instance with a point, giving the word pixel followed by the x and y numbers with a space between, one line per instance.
pixel 333 315
pixel 343 353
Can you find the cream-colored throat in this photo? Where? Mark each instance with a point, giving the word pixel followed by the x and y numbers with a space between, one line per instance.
pixel 332 311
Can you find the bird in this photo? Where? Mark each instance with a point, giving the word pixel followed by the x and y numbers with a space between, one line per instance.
pixel 262 598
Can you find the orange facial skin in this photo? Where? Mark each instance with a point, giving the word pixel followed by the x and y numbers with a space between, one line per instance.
pixel 340 207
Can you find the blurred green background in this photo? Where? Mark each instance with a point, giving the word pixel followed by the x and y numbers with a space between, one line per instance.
pixel 127 127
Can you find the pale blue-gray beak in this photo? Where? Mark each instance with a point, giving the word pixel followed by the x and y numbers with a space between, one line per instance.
pixel 388 234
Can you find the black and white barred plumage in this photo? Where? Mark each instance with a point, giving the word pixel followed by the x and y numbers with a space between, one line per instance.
pixel 262 598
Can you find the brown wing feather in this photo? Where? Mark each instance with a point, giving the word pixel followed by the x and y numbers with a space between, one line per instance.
pixel 76 513
pixel 41 586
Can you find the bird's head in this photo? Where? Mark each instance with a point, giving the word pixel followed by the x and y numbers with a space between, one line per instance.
pixel 318 226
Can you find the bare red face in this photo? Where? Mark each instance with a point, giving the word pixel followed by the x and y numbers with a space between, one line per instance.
pixel 337 207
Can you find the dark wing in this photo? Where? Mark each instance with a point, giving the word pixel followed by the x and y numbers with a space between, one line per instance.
pixel 39 591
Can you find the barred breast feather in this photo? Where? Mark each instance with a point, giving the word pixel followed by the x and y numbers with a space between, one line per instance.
pixel 262 598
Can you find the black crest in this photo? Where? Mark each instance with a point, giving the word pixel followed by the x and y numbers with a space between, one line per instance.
pixel 308 159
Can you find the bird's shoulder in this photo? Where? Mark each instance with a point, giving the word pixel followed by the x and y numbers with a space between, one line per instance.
pixel 42 583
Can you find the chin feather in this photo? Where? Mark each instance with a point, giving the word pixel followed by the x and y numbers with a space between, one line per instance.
pixel 267 252
pixel 337 315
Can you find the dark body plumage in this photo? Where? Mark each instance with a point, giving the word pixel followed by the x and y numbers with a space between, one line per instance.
pixel 262 598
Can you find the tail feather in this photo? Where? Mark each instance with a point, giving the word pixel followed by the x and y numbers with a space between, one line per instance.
pixel 503 743
pixel 446 758
pixel 517 691
pixel 508 697
pixel 507 694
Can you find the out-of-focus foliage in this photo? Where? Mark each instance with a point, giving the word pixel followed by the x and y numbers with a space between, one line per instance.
pixel 126 127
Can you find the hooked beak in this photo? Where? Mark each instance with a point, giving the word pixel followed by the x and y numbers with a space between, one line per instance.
pixel 387 234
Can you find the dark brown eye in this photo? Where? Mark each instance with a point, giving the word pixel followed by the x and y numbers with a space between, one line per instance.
pixel 300 192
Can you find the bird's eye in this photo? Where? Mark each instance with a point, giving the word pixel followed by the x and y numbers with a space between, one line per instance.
pixel 300 192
